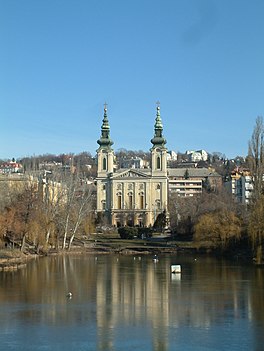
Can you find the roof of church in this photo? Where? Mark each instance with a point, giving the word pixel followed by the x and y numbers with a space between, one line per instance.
pixel 173 172
pixel 144 172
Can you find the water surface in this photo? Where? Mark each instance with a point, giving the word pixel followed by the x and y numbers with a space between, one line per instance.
pixel 132 303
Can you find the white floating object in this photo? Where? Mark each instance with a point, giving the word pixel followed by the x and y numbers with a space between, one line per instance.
pixel 176 268
pixel 69 295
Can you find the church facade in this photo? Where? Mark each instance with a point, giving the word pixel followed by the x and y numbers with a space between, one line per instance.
pixel 131 196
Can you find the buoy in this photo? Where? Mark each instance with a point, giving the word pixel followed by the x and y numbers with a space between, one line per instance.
pixel 69 295
pixel 175 268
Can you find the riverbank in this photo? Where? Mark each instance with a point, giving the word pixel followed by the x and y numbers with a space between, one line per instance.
pixel 13 259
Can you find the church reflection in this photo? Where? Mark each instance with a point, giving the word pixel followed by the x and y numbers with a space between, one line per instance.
pixel 119 298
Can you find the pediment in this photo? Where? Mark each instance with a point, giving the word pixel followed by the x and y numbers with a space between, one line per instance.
pixel 130 173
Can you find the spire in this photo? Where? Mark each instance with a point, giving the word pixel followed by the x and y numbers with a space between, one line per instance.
pixel 105 131
pixel 158 139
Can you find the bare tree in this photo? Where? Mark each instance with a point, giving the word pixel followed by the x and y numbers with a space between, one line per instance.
pixel 79 201
pixel 256 157
pixel 186 211
pixel 256 165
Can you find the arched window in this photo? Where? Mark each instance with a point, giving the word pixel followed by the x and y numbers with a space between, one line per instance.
pixel 119 201
pixel 158 162
pixel 104 163
pixel 130 201
pixel 141 201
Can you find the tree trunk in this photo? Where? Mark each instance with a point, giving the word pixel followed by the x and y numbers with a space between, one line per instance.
pixel 259 254
pixel 65 232
pixel 71 240
pixel 48 236
pixel 73 233
pixel 23 243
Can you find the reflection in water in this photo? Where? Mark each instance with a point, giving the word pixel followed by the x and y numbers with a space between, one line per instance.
pixel 128 303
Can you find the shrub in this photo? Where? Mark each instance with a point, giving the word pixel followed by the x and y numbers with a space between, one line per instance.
pixel 145 232
pixel 127 232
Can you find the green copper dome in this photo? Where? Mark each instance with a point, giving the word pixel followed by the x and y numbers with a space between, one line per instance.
pixel 105 140
pixel 158 139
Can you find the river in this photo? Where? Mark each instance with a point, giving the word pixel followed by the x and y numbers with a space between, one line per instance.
pixel 132 303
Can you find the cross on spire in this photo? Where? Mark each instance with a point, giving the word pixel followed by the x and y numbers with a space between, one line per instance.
pixel 105 106
pixel 158 104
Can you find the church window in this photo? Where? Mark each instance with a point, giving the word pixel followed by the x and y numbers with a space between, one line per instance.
pixel 158 162
pixel 158 187
pixel 104 163
pixel 130 201
pixel 141 201
pixel 103 205
pixel 119 201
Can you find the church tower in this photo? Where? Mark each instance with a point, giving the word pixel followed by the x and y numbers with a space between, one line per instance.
pixel 159 179
pixel 105 153
pixel 105 164
pixel 158 150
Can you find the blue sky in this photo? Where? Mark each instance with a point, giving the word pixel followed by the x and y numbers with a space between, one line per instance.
pixel 62 59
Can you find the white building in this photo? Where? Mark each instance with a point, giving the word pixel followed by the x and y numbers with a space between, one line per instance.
pixel 198 155
pixel 172 156
pixel 134 163
pixel 240 185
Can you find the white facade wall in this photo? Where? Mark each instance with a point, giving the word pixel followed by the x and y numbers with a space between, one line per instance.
pixel 240 188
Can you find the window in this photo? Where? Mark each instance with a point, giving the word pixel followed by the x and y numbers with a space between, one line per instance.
pixel 104 163
pixel 158 162
pixel 141 201
pixel 130 201
pixel 103 205
pixel 119 201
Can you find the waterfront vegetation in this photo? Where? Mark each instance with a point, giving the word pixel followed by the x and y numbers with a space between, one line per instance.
pixel 57 214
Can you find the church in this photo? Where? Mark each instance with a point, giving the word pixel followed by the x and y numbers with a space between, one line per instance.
pixel 129 196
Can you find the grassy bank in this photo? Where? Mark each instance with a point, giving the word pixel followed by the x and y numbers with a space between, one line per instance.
pixel 13 259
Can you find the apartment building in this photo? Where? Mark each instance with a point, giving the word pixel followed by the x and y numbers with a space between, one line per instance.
pixel 190 181
pixel 240 185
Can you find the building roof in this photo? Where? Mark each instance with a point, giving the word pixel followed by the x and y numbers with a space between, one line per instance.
pixel 192 172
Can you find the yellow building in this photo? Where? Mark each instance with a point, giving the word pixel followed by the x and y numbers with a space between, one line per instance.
pixel 132 196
